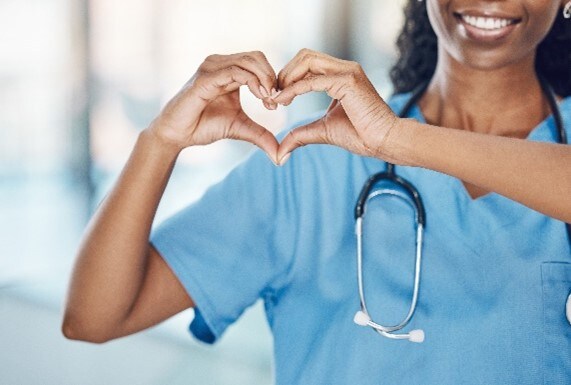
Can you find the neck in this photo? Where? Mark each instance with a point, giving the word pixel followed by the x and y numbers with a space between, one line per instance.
pixel 506 101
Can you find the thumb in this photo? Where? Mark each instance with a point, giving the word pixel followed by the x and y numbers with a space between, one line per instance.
pixel 312 133
pixel 244 128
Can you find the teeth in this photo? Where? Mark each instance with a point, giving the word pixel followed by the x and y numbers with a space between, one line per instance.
pixel 486 22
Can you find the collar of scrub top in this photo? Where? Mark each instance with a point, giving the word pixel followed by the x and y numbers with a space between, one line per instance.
pixel 412 197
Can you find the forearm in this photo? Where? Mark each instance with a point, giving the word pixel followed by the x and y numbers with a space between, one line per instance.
pixel 110 264
pixel 538 175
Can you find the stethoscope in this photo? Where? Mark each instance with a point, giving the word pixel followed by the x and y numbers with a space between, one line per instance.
pixel 406 192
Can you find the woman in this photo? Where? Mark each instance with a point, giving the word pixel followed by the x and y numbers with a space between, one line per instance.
pixel 497 267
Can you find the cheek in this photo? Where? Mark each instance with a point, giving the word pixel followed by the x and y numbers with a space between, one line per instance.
pixel 541 15
pixel 438 14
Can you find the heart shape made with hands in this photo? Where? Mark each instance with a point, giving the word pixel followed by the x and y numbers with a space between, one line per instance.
pixel 312 133
pixel 357 119
pixel 315 132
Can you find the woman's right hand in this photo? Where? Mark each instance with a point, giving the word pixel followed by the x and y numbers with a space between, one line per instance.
pixel 208 108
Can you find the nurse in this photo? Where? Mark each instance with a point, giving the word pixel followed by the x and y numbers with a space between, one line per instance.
pixel 480 147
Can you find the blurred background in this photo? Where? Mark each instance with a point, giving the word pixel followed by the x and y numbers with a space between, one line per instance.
pixel 78 81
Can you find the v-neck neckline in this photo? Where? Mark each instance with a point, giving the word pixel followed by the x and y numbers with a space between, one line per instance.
pixel 534 135
pixel 449 207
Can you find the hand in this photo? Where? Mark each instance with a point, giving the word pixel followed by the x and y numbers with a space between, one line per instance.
pixel 208 108
pixel 358 119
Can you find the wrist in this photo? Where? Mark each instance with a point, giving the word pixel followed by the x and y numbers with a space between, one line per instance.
pixel 398 144
pixel 159 144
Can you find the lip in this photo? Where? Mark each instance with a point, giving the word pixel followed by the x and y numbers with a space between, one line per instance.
pixel 486 35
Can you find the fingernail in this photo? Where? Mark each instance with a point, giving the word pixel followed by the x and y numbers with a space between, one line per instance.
pixel 264 92
pixel 285 159
pixel 276 94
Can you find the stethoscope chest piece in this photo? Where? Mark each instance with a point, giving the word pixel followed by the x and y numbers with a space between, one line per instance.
pixel 568 309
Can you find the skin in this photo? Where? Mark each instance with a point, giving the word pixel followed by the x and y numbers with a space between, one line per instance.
pixel 120 283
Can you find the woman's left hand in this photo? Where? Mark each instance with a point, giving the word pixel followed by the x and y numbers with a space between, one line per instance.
pixel 358 119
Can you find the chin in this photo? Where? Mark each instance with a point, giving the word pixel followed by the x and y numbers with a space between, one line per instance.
pixel 490 59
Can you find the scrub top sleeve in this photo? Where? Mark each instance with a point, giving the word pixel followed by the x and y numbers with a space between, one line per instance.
pixel 231 247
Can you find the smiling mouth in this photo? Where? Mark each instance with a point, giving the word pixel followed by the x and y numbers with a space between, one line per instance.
pixel 485 22
pixel 486 29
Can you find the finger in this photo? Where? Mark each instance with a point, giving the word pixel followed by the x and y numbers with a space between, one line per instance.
pixel 309 62
pixel 312 133
pixel 246 129
pixel 335 86
pixel 268 103
pixel 232 87
pixel 214 84
pixel 256 63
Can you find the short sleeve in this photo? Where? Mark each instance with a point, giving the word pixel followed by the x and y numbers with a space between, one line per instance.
pixel 232 246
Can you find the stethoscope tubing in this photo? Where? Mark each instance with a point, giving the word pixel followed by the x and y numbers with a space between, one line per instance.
pixel 411 194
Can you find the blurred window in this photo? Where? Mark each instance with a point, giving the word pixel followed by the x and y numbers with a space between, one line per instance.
pixel 81 79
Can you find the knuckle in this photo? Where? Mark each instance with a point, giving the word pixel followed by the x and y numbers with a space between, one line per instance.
pixel 304 52
pixel 211 58
pixel 197 79
pixel 203 68
pixel 268 78
pixel 258 54
pixel 354 68
pixel 248 58
pixel 351 78
pixel 357 69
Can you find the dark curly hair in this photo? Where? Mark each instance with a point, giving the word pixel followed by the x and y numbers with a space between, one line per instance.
pixel 417 48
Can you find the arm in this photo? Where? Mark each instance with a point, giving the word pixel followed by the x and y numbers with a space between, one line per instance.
pixel 538 175
pixel 115 265
pixel 120 284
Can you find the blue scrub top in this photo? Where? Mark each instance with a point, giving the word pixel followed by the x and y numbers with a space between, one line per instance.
pixel 495 274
